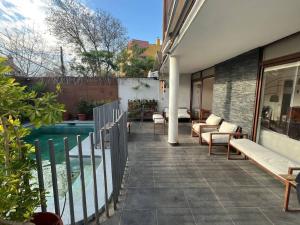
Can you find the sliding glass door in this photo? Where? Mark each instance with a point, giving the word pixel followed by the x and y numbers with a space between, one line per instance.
pixel 280 109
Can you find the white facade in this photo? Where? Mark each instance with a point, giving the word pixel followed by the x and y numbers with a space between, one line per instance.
pixel 137 88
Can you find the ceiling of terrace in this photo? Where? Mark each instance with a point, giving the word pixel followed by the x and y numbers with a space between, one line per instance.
pixel 221 30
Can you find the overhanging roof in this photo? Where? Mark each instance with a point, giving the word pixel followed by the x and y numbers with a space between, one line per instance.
pixel 217 30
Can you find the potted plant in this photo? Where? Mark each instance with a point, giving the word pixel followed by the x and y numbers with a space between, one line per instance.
pixel 66 116
pixel 19 194
pixel 83 110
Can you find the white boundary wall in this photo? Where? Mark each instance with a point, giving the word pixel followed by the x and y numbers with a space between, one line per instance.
pixel 127 91
pixel 134 88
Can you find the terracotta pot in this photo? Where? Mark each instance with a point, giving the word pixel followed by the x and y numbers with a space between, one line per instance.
pixel 66 116
pixel 81 116
pixel 46 218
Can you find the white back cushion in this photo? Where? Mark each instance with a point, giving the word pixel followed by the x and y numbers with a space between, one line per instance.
pixel 182 111
pixel 281 144
pixel 228 127
pixel 213 120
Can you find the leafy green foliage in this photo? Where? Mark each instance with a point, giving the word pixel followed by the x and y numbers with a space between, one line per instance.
pixel 39 87
pixel 134 63
pixel 94 62
pixel 19 195
pixel 86 107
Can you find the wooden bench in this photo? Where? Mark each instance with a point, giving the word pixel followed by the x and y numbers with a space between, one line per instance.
pixel 273 162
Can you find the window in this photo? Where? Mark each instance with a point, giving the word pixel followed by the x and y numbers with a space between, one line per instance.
pixel 280 110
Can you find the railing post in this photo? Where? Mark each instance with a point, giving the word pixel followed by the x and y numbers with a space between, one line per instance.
pixel 40 175
pixel 113 164
pixel 69 180
pixel 92 146
pixel 82 179
pixel 126 136
pixel 102 139
pixel 96 122
pixel 54 177
pixel 116 149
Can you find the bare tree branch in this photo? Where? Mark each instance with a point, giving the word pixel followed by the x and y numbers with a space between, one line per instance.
pixel 27 51
pixel 90 32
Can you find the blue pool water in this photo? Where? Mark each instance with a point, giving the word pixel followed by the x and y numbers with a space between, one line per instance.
pixel 57 133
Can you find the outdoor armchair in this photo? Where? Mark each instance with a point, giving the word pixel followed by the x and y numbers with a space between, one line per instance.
pixel 212 123
pixel 158 119
pixel 221 136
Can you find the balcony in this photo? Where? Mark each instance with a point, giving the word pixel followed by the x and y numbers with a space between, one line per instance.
pixel 183 185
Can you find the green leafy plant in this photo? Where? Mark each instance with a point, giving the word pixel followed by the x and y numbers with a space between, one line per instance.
pixel 134 63
pixel 19 193
pixel 83 107
pixel 86 107
pixel 39 87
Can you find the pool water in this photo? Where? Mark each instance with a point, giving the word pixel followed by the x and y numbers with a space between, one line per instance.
pixel 57 133
pixel 58 142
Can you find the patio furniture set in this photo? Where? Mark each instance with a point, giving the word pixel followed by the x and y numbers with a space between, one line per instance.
pixel 160 119
pixel 214 131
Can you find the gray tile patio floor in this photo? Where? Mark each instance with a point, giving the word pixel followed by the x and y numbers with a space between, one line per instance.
pixel 182 185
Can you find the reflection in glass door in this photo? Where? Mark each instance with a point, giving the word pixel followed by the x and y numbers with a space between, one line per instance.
pixel 280 111
pixel 207 94
pixel 196 99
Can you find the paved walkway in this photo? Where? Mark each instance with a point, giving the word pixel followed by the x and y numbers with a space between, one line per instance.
pixel 184 186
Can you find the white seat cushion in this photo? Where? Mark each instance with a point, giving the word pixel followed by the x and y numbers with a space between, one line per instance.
pixel 272 161
pixel 196 128
pixel 158 118
pixel 228 127
pixel 183 113
pixel 213 120
pixel 216 138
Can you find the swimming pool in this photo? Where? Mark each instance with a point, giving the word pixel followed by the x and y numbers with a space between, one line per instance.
pixel 57 133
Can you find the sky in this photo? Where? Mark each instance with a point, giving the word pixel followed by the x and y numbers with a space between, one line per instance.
pixel 142 18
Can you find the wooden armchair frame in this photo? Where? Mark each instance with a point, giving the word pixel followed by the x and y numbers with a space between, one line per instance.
pixel 230 135
pixel 195 133
pixel 236 135
pixel 289 183
pixel 201 131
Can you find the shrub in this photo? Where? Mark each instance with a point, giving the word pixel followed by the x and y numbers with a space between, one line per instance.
pixel 19 195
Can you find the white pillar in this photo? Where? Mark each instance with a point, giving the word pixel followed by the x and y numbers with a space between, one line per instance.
pixel 173 100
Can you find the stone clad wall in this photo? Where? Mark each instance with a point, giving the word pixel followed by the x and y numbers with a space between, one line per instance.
pixel 234 89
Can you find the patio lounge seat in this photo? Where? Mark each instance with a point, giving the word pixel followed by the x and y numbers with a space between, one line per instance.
pixel 221 136
pixel 212 123
pixel 183 113
pixel 158 119
pixel 279 165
